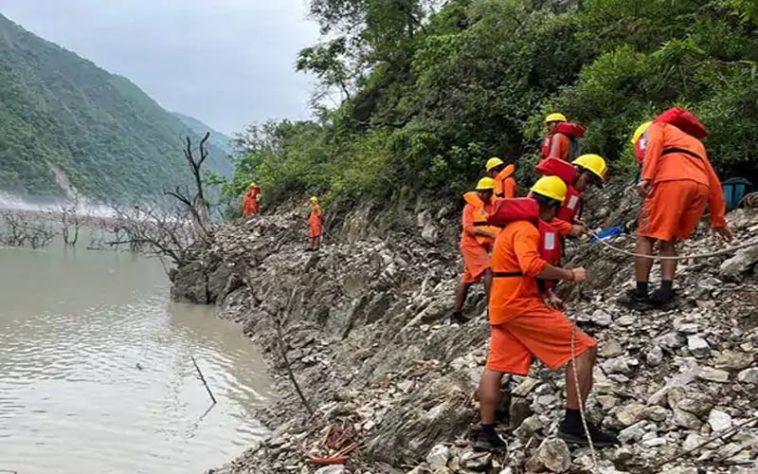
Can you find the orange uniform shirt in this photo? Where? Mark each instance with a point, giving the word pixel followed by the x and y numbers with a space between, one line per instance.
pixel 505 184
pixel 659 167
pixel 314 220
pixel 516 250
pixel 561 146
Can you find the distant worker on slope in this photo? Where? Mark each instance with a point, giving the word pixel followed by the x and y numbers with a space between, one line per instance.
pixel 250 200
pixel 476 241
pixel 562 139
pixel 315 224
pixel 524 326
pixel 677 182
pixel 505 183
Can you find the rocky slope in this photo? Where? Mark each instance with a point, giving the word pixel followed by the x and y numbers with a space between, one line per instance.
pixel 392 385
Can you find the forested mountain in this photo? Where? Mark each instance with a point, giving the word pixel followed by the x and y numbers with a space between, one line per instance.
pixel 432 89
pixel 221 141
pixel 63 119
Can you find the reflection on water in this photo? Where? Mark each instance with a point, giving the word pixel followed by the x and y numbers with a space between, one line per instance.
pixel 96 375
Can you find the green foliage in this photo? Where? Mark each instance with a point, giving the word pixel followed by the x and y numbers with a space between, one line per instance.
pixel 430 95
pixel 63 119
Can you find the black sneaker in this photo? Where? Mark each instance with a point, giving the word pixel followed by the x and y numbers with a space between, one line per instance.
pixel 600 439
pixel 632 300
pixel 458 318
pixel 489 441
pixel 662 301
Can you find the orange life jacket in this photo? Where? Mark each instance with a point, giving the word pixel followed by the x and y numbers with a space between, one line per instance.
pixel 572 205
pixel 573 131
pixel 684 121
pixel 481 218
pixel 519 209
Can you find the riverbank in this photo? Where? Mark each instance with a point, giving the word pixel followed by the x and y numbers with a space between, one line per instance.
pixel 392 385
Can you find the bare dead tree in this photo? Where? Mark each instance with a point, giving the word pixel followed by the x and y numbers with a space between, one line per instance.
pixel 71 221
pixel 195 202
pixel 21 229
pixel 159 229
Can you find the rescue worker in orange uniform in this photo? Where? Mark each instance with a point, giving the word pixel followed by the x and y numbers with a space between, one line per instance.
pixel 523 326
pixel 250 200
pixel 315 225
pixel 476 242
pixel 677 182
pixel 505 183
pixel 549 142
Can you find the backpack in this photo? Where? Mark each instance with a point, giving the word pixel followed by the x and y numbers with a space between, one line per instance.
pixel 684 121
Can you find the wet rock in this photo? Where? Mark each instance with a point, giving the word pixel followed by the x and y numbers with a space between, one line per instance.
pixel 601 318
pixel 553 454
pixel 520 411
pixel 611 348
pixel 713 375
pixel 742 262
pixel 476 461
pixel 634 432
pixel 525 387
pixel 697 346
pixel 719 420
pixel 654 356
pixel 438 457
pixel 748 375
pixel 631 413
pixel 734 360
pixel 686 419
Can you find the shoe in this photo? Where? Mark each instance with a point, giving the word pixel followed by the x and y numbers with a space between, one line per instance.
pixel 458 318
pixel 489 441
pixel 633 300
pixel 600 438
pixel 661 301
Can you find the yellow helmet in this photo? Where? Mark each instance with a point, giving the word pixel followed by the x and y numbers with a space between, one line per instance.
pixel 314 199
pixel 551 187
pixel 485 184
pixel 493 162
pixel 639 132
pixel 556 117
pixel 253 184
pixel 595 164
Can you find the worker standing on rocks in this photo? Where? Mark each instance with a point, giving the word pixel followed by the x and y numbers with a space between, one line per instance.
pixel 250 200
pixel 562 138
pixel 677 182
pixel 524 326
pixel 315 225
pixel 476 241
pixel 505 183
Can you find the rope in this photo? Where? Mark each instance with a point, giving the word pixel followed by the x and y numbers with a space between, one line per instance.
pixel 579 395
pixel 665 257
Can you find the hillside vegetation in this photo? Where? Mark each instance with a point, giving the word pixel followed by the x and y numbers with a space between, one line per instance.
pixel 59 112
pixel 429 92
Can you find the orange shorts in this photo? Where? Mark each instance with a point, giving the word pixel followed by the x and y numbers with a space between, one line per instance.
pixel 673 210
pixel 476 261
pixel 543 333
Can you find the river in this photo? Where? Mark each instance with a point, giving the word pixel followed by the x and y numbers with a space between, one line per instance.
pixel 96 373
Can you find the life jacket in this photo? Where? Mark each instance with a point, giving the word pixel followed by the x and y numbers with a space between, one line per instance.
pixel 573 131
pixel 500 179
pixel 639 149
pixel 519 209
pixel 684 121
pixel 572 205
pixel 481 218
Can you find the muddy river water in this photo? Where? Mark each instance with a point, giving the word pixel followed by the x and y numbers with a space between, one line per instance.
pixel 96 373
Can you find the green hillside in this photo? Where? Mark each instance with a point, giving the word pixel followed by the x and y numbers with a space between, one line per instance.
pixel 59 112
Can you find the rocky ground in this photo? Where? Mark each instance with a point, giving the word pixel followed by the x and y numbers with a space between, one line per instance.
pixel 392 384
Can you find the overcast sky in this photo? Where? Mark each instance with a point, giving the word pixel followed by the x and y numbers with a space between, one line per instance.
pixel 226 62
